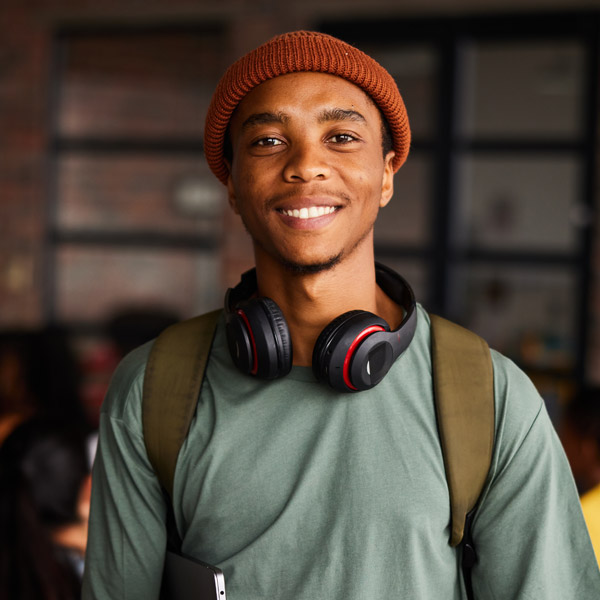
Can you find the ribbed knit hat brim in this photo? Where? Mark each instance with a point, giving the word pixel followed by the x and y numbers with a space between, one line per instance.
pixel 295 52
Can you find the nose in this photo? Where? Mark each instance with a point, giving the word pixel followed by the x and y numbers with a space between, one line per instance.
pixel 306 162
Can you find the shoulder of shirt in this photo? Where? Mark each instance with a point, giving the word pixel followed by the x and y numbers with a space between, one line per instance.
pixel 506 368
pixel 126 385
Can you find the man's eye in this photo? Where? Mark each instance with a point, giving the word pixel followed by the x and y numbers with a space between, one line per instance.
pixel 268 141
pixel 342 138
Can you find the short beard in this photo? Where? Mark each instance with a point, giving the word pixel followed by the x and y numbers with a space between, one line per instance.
pixel 310 269
pixel 300 269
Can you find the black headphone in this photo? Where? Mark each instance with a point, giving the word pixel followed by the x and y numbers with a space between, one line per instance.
pixel 353 353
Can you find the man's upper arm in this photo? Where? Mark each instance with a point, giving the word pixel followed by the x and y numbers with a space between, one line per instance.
pixel 126 539
pixel 529 531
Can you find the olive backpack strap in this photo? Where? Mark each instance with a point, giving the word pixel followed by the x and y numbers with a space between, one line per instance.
pixel 463 381
pixel 172 382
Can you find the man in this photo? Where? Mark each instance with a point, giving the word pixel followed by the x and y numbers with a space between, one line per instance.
pixel 295 489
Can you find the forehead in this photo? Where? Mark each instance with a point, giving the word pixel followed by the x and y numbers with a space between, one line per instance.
pixel 305 93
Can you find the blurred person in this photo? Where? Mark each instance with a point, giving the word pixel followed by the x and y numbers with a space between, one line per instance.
pixel 17 400
pixel 125 330
pixel 580 434
pixel 131 327
pixel 44 508
pixel 295 485
pixel 39 372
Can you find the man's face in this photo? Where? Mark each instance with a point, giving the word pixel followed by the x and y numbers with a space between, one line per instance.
pixel 308 174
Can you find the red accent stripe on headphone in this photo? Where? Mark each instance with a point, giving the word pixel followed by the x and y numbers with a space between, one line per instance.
pixel 357 340
pixel 252 341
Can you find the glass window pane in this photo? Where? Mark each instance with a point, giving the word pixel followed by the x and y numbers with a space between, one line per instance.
pixel 92 284
pixel 168 194
pixel 414 69
pixel 520 90
pixel 525 203
pixel 528 314
pixel 405 221
pixel 138 85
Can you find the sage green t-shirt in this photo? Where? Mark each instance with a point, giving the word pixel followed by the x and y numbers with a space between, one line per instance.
pixel 298 492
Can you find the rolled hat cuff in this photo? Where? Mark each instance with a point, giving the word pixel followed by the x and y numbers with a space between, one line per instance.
pixel 302 51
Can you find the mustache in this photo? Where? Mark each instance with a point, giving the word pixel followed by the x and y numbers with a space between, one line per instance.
pixel 321 192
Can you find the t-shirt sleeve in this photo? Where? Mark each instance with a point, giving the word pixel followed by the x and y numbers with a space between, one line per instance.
pixel 529 531
pixel 126 541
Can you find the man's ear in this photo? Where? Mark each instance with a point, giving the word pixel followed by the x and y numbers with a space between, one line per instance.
pixel 387 183
pixel 231 195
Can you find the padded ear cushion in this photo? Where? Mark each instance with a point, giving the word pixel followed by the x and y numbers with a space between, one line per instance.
pixel 335 345
pixel 269 331
pixel 281 334
pixel 323 344
pixel 239 342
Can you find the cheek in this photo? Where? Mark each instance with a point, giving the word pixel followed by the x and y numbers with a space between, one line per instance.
pixel 245 178
pixel 242 183
pixel 369 171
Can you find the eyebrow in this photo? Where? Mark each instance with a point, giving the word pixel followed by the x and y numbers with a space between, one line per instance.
pixel 265 118
pixel 340 114
pixel 327 115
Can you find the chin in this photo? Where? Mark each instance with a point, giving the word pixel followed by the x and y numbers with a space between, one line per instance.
pixel 299 268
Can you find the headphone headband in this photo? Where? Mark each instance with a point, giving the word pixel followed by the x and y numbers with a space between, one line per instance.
pixel 398 289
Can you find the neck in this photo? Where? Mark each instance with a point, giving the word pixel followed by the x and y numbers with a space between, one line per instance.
pixel 310 302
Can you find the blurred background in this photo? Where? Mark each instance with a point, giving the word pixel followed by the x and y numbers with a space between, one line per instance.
pixel 111 225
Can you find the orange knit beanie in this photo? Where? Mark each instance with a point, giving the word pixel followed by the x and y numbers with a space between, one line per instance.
pixel 296 52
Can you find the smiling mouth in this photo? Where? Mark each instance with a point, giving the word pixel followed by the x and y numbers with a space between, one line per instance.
pixel 311 212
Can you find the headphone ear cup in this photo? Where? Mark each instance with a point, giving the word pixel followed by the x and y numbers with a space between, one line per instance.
pixel 259 339
pixel 240 342
pixel 281 335
pixel 336 348
pixel 320 359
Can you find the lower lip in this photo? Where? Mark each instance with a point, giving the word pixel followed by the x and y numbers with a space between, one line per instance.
pixel 308 224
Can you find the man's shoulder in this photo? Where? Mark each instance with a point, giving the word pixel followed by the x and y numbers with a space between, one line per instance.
pixel 511 380
pixel 126 385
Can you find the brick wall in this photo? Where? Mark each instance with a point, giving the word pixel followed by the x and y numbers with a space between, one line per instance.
pixel 24 48
pixel 26 95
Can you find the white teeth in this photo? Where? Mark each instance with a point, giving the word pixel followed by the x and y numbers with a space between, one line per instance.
pixel 309 213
